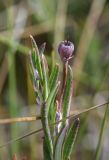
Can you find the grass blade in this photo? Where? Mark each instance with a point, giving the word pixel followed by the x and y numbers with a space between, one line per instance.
pixel 99 146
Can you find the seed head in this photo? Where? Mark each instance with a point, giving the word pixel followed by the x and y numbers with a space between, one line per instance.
pixel 66 49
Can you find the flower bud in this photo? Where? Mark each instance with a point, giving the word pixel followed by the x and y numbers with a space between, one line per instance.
pixel 66 49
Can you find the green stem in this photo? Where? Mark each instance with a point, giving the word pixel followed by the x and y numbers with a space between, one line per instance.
pixel 48 145
pixel 12 79
pixel 99 146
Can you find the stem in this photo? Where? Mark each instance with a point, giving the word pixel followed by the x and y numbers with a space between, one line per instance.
pixel 48 145
pixel 13 110
pixel 64 84
pixel 72 116
pixel 38 117
pixel 99 146
pixel 19 119
pixel 14 157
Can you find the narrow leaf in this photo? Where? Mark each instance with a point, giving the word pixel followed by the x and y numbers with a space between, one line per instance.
pixel 45 80
pixel 67 94
pixel 52 110
pixel 34 75
pixel 51 95
pixel 42 48
pixel 48 146
pixel 52 116
pixel 36 58
pixel 70 139
pixel 59 144
pixel 33 57
pixel 53 77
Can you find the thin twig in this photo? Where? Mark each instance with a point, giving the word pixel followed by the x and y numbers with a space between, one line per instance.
pixel 19 119
pixel 38 117
pixel 22 137
pixel 41 129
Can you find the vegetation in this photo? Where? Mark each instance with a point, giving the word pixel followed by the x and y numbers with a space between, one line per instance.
pixel 54 107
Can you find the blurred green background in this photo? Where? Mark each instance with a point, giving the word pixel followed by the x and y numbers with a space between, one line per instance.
pixel 86 24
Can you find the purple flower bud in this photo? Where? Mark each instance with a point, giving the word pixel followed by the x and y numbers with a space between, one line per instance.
pixel 66 49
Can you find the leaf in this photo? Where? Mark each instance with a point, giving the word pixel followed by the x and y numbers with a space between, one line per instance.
pixel 52 110
pixel 45 123
pixel 33 70
pixel 67 94
pixel 51 95
pixel 35 80
pixel 42 48
pixel 45 80
pixel 59 144
pixel 52 116
pixel 45 114
pixel 53 77
pixel 48 145
pixel 52 83
pixel 70 139
pixel 36 58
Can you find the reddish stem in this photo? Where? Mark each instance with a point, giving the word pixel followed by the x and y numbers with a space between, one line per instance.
pixel 63 84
